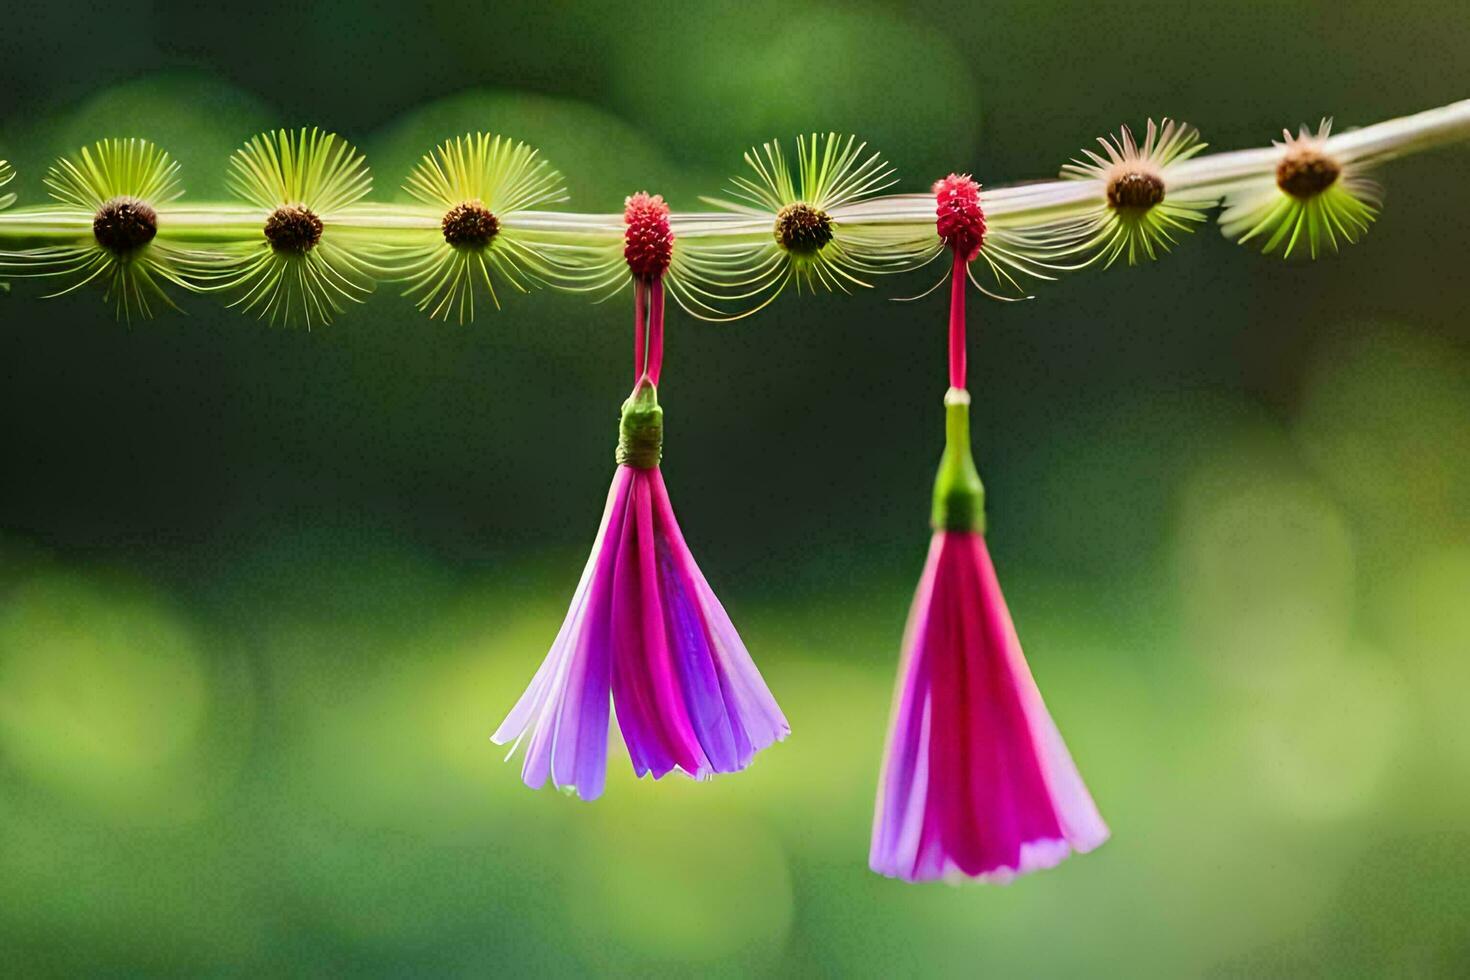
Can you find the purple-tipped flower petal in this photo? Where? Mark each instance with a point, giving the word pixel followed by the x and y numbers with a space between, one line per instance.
pixel 646 633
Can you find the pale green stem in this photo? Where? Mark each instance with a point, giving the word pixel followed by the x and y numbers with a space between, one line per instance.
pixel 1019 206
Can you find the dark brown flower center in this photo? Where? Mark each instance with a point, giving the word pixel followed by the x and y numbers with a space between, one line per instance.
pixel 125 224
pixel 293 229
pixel 470 225
pixel 1306 171
pixel 1135 190
pixel 802 228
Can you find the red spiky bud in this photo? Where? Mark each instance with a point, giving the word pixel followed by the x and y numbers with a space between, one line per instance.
pixel 961 222
pixel 648 242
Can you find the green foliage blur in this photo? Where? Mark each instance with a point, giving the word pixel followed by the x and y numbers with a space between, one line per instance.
pixel 265 593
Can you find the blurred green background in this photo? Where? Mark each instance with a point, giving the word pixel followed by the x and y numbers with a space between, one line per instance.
pixel 264 593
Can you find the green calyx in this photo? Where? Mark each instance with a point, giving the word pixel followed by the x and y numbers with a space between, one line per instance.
pixel 959 497
pixel 641 429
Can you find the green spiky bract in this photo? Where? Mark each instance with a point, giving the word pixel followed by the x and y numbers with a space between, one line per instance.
pixel 1280 222
pixel 1150 232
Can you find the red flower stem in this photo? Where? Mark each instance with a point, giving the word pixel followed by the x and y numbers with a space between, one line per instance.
pixel 957 322
pixel 639 350
pixel 655 330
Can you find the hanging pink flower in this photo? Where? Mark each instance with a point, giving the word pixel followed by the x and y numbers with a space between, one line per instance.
pixel 645 635
pixel 976 782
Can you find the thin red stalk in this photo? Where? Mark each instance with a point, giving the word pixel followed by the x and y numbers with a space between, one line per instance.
pixel 655 330
pixel 957 322
pixel 640 351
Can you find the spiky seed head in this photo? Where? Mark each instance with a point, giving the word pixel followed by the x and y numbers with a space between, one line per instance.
pixel 470 225
pixel 1305 171
pixel 1138 190
pixel 293 229
pixel 960 219
pixel 803 229
pixel 648 243
pixel 481 184
pixel 1318 200
pixel 124 225
pixel 811 246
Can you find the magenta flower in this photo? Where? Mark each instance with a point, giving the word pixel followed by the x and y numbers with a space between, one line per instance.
pixel 645 635
pixel 977 782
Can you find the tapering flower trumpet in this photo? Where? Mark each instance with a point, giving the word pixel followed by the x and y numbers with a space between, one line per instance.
pixel 976 780
pixel 645 635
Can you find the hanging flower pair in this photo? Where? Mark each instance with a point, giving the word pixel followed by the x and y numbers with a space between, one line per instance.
pixel 645 633
pixel 977 782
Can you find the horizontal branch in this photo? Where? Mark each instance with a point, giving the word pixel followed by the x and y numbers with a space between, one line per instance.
pixel 725 261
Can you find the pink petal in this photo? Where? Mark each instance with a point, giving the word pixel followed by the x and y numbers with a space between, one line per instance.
pixel 977 782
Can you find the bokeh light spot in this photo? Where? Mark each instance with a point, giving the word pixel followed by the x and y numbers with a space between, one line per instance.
pixel 1265 562
pixel 102 691
pixel 674 880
